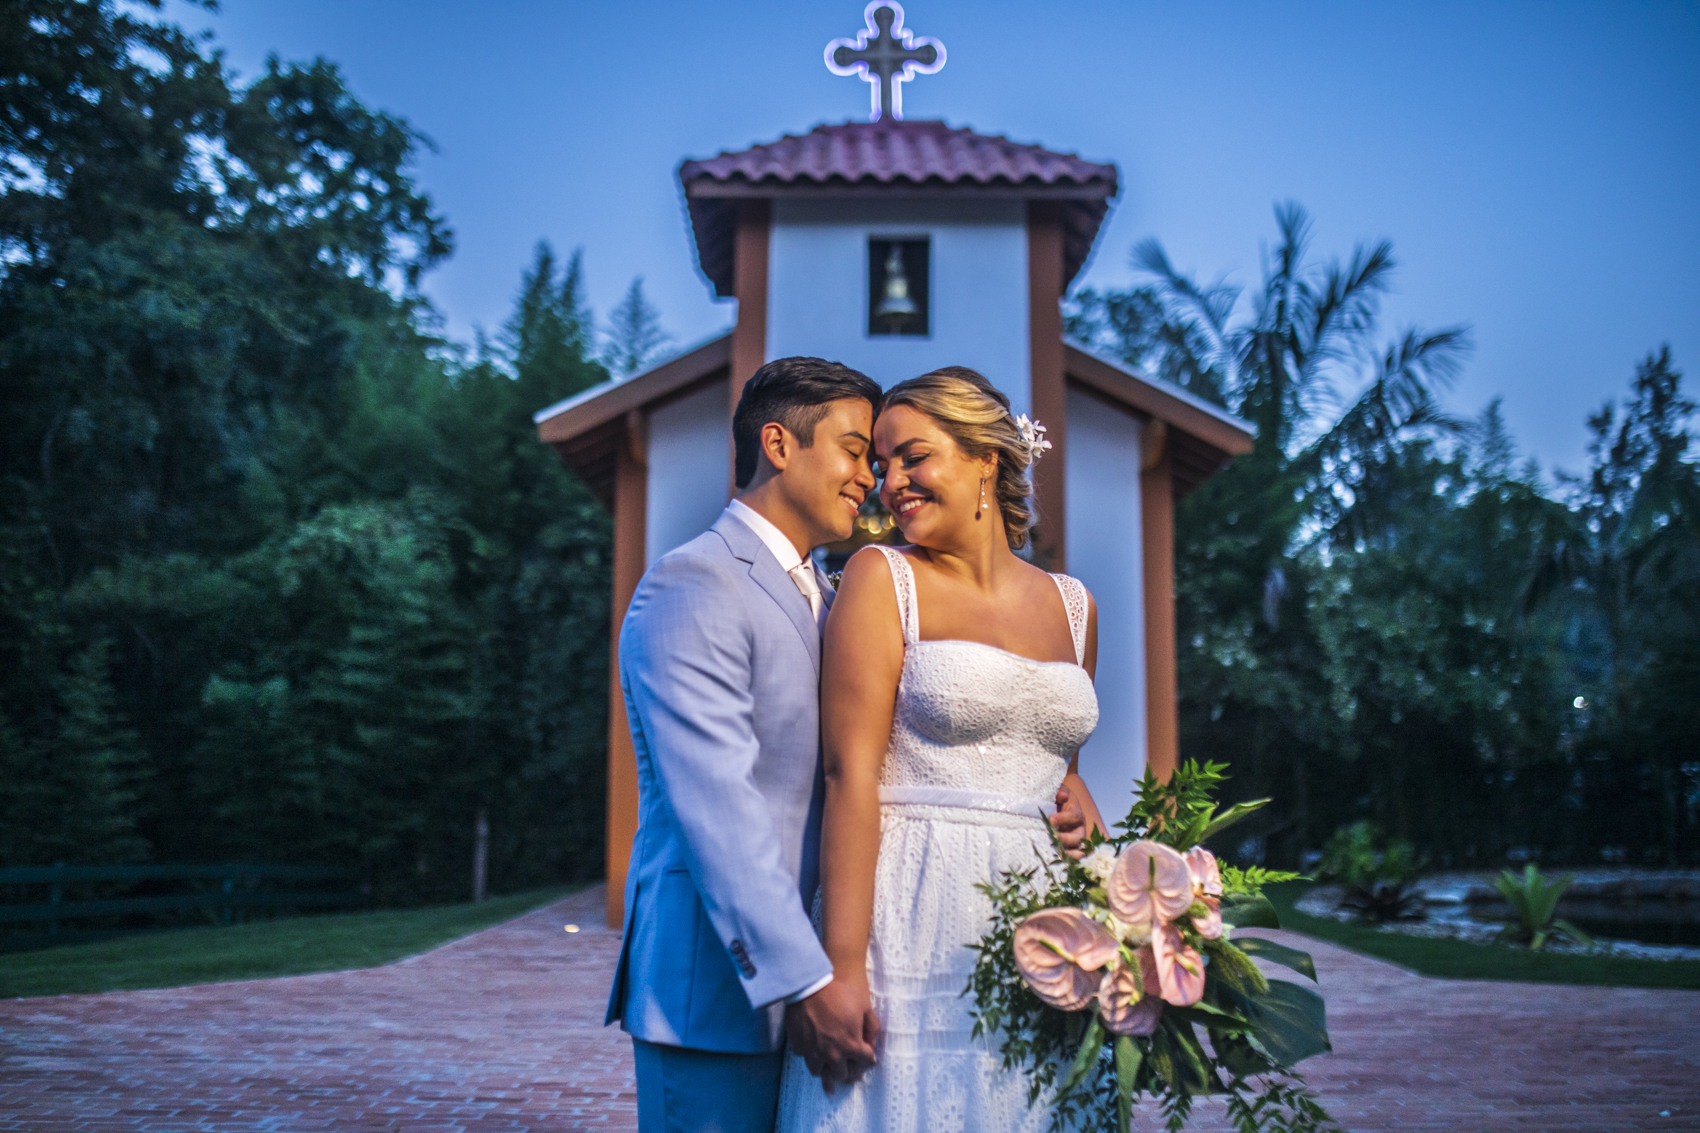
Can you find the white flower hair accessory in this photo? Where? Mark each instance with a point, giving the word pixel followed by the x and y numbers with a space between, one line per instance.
pixel 1033 436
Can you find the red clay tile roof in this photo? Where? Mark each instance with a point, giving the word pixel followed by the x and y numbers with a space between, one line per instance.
pixel 885 155
pixel 888 151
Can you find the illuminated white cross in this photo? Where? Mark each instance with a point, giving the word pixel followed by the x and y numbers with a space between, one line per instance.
pixel 885 56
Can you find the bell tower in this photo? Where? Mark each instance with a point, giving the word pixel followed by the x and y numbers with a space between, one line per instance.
pixel 897 247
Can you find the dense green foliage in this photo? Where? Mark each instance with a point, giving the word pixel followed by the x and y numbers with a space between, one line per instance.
pixel 260 950
pixel 1383 616
pixel 284 577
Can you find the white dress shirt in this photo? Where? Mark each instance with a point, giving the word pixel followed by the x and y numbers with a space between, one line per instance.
pixel 789 560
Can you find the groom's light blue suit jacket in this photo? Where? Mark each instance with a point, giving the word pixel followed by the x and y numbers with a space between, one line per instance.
pixel 720 668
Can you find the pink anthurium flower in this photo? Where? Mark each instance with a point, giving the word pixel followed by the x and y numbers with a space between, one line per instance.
pixel 1148 969
pixel 1206 873
pixel 1180 969
pixel 1125 1005
pixel 1059 952
pixel 1209 926
pixel 1151 883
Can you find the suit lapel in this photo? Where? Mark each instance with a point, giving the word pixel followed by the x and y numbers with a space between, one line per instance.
pixel 765 573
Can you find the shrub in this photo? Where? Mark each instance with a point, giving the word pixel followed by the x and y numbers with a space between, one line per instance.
pixel 1534 901
pixel 1379 873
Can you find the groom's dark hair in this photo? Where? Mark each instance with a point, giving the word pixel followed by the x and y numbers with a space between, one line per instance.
pixel 795 393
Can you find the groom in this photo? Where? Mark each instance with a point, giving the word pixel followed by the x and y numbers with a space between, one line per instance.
pixel 720 660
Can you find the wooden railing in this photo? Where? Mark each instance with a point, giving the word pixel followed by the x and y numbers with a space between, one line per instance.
pixel 235 889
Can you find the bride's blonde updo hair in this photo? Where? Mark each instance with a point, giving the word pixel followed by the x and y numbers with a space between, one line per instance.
pixel 976 415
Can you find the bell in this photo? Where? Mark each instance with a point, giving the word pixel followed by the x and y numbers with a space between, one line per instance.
pixel 896 307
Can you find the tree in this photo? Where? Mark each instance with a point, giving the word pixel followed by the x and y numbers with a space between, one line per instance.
pixel 1383 617
pixel 634 332
pixel 279 577
pixel 1251 542
pixel 1136 326
pixel 551 328
pixel 1620 574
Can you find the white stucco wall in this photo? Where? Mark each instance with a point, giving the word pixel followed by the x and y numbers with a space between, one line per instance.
pixel 1104 552
pixel 818 287
pixel 689 469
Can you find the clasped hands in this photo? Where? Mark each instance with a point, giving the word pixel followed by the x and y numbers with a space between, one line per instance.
pixel 835 1030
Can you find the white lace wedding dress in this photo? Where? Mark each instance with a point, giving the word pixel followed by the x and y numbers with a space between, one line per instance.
pixel 979 745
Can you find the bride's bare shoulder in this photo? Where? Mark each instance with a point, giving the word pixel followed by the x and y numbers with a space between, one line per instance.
pixel 867 568
pixel 867 601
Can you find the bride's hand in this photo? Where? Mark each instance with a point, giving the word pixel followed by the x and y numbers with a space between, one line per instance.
pixel 1070 822
pixel 835 1030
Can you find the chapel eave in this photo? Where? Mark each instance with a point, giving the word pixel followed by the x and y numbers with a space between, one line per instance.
pixel 1201 438
pixel 588 429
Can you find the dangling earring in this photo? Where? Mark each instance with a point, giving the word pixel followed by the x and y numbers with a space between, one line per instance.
pixel 982 506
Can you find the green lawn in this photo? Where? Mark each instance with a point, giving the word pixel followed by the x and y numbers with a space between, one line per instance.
pixel 1455 959
pixel 288 947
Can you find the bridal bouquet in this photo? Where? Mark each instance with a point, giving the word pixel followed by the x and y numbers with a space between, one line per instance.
pixel 1101 972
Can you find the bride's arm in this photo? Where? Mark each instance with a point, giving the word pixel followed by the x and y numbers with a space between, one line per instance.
pixel 862 663
pixel 1075 784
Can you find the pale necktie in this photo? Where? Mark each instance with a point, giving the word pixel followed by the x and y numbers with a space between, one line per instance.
pixel 803 574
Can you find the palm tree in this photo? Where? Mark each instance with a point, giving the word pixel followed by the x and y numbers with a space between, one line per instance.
pixel 1302 360
pixel 1309 348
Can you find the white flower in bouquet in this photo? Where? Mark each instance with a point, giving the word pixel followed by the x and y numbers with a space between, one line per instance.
pixel 1134 934
pixel 1100 862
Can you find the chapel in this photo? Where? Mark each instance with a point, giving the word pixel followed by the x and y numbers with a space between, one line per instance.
pixel 896 247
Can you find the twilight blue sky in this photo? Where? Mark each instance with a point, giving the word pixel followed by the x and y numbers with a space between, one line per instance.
pixel 1536 164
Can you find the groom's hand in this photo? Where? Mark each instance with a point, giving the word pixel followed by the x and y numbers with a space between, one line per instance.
pixel 1069 822
pixel 835 1030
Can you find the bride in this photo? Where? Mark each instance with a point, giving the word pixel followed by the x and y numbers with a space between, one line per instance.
pixel 956 693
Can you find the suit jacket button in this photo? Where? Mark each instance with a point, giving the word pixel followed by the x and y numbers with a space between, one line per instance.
pixel 743 959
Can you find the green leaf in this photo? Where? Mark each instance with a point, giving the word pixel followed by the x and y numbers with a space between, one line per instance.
pixel 1291 1021
pixel 1235 1052
pixel 1249 912
pixel 1090 1046
pixel 1185 1061
pixel 1572 931
pixel 1252 879
pixel 1206 1015
pixel 1201 1074
pixel 1230 816
pixel 1300 962
pixel 1128 1059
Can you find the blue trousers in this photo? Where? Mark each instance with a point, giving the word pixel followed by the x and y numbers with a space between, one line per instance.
pixel 680 1090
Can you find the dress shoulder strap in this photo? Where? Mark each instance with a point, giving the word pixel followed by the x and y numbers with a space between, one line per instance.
pixel 1074 601
pixel 903 579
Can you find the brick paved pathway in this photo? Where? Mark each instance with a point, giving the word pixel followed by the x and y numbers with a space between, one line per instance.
pixel 502 1032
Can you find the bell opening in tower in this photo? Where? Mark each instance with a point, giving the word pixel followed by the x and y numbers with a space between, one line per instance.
pixel 898 287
